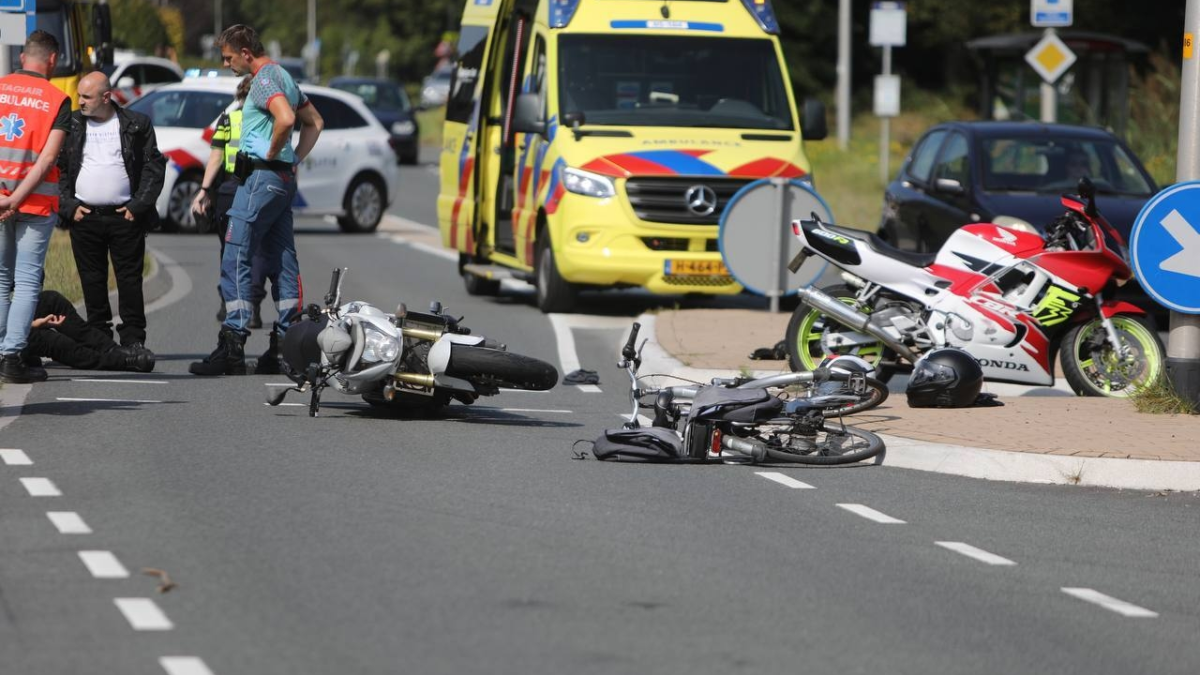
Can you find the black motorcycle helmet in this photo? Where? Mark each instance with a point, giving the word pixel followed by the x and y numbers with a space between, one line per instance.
pixel 945 378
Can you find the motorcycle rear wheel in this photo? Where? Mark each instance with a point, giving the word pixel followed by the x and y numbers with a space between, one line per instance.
pixel 1093 368
pixel 829 447
pixel 808 325
pixel 504 369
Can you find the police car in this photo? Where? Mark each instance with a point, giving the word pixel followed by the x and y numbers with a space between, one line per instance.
pixel 351 173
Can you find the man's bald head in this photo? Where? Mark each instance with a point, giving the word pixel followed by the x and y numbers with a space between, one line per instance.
pixel 94 97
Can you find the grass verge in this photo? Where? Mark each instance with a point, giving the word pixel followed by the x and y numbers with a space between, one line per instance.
pixel 1159 398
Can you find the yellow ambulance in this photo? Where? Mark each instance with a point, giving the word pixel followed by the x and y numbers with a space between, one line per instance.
pixel 595 143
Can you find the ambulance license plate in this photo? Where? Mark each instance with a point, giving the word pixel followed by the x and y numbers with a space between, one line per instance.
pixel 696 268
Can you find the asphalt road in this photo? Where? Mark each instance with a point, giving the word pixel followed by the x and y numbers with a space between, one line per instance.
pixel 362 543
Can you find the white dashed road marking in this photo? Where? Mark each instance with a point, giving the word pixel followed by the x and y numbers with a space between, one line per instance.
pixel 103 565
pixel 871 514
pixel 1110 603
pixel 784 479
pixel 13 457
pixel 40 487
pixel 68 522
pixel 534 410
pixel 976 553
pixel 89 379
pixel 184 665
pixel 105 400
pixel 143 614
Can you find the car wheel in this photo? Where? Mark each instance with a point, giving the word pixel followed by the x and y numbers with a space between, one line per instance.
pixel 364 205
pixel 179 206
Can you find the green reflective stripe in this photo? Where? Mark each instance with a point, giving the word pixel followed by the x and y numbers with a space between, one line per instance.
pixel 234 141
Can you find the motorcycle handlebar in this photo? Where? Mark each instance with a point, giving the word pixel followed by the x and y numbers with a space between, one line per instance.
pixel 331 296
pixel 630 350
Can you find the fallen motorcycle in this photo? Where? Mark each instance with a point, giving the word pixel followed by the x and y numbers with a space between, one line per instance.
pixel 403 360
pixel 1011 299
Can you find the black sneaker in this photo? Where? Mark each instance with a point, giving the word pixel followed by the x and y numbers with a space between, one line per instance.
pixel 14 371
pixel 137 360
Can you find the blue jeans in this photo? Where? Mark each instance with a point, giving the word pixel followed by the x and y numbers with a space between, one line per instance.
pixel 23 243
pixel 261 219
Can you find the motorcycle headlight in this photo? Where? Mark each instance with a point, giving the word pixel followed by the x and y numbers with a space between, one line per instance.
pixel 379 347
pixel 404 128
pixel 587 183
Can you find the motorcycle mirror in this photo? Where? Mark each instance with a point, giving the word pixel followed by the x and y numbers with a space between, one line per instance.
pixel 401 311
pixel 274 398
pixel 435 307
pixel 1087 190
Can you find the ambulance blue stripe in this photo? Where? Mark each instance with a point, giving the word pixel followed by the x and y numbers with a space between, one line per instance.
pixel 668 25
pixel 679 162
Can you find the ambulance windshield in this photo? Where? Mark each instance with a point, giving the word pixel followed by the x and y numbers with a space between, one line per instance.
pixel 669 81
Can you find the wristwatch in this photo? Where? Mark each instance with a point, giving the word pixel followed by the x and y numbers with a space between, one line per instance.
pixel 203 188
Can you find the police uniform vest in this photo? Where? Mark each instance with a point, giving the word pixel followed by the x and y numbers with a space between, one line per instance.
pixel 28 108
pixel 233 140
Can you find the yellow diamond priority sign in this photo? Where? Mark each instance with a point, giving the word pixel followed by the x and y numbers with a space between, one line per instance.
pixel 1050 57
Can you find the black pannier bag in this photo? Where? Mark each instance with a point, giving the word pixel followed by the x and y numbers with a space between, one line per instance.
pixel 646 444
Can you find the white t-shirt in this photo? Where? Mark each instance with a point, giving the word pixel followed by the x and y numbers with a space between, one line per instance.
pixel 102 180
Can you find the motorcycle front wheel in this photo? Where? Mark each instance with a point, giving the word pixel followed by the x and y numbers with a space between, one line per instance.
pixel 502 368
pixel 1093 368
pixel 807 327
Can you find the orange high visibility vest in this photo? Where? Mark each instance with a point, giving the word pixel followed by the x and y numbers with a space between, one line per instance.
pixel 28 107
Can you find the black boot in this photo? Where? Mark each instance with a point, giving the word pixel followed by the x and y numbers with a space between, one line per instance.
pixel 229 358
pixel 256 316
pixel 269 363
pixel 136 360
pixel 37 372
pixel 13 370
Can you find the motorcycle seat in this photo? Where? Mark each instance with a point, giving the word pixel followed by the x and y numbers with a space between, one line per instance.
pixel 884 248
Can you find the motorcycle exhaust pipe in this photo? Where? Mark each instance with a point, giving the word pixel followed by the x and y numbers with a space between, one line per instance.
pixel 852 318
pixel 418 379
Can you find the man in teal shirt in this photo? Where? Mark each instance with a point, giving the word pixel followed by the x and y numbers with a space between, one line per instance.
pixel 262 210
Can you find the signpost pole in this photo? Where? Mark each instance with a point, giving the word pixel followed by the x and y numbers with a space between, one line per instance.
pixel 1049 96
pixel 885 125
pixel 1183 342
pixel 778 243
pixel 843 75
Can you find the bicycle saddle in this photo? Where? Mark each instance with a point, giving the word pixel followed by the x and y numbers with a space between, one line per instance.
pixel 734 405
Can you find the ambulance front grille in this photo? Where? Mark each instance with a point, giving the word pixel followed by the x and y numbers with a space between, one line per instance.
pixel 664 200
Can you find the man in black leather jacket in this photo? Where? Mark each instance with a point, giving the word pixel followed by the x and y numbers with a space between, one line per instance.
pixel 111 174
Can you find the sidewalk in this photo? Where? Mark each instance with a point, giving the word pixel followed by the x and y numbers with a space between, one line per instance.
pixel 1040 434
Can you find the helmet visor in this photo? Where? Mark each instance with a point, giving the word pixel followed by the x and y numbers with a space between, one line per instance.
pixel 932 373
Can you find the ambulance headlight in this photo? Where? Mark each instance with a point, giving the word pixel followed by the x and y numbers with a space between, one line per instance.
pixel 587 183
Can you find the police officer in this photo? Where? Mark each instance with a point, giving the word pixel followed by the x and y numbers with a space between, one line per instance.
pixel 262 209
pixel 34 117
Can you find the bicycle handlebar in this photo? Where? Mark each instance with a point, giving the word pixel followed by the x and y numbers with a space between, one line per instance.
pixel 630 349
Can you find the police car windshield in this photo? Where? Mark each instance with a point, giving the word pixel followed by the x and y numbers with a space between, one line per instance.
pixel 670 81
pixel 182 108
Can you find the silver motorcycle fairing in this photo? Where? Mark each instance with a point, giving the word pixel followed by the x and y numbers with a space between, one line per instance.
pixel 439 353
pixel 354 317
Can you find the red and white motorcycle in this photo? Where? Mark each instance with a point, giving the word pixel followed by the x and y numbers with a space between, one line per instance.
pixel 1012 299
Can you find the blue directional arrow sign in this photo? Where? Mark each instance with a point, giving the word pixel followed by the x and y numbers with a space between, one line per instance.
pixel 1165 247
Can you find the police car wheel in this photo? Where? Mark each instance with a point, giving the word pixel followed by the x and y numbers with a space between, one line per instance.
pixel 364 204
pixel 179 206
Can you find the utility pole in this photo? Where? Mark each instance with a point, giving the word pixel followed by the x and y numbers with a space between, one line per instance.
pixel 1183 342
pixel 314 57
pixel 843 75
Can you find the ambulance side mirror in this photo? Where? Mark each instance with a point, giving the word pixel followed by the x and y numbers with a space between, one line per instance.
pixel 527 115
pixel 812 124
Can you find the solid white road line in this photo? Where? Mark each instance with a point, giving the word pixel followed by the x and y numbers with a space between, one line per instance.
pixel 105 400
pixel 40 487
pixel 90 379
pixel 1110 603
pixel 181 283
pixel 567 356
pixel 143 614
pixel 68 522
pixel 784 479
pixel 976 553
pixel 103 565
pixel 14 457
pixel 871 514
pixel 184 665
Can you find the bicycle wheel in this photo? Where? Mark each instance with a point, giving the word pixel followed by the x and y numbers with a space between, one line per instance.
pixel 843 445
pixel 846 394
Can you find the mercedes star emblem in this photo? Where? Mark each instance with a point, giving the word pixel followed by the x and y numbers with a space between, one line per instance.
pixel 701 200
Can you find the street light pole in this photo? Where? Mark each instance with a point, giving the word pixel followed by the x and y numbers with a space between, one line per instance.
pixel 843 75
pixel 1183 342
pixel 313 57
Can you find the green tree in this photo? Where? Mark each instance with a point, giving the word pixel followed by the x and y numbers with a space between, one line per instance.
pixel 137 25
